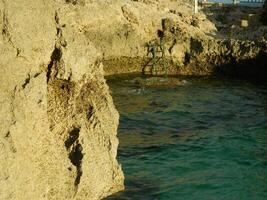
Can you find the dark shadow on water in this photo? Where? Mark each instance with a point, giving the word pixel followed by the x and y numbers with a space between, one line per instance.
pixel 137 189
pixel 253 70
pixel 139 151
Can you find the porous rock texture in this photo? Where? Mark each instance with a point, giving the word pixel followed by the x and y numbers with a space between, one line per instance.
pixel 58 123
pixel 195 44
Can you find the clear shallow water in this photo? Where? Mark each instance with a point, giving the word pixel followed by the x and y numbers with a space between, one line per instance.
pixel 206 139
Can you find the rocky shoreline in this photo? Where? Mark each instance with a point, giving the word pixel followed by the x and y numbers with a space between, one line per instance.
pixel 58 121
pixel 204 44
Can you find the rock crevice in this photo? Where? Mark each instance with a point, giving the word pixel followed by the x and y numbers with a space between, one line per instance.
pixel 55 135
pixel 75 149
pixel 58 122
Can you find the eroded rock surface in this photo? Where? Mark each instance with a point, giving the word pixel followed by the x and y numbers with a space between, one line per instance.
pixel 197 44
pixel 58 122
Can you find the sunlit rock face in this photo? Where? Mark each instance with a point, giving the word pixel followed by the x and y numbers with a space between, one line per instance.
pixel 58 122
pixel 195 44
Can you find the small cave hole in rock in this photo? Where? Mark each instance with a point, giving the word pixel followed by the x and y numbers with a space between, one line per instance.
pixel 73 136
pixel 75 152
pixel 76 157
pixel 75 2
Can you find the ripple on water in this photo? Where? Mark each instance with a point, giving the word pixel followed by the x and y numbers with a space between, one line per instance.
pixel 203 140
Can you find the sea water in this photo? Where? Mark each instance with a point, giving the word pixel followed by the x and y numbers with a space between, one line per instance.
pixel 204 139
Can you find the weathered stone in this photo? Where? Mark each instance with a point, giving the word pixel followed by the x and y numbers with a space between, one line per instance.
pixel 58 122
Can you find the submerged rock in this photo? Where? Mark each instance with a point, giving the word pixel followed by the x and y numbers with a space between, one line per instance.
pixel 159 81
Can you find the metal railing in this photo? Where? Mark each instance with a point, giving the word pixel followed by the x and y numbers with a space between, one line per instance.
pixel 252 1
pixel 156 56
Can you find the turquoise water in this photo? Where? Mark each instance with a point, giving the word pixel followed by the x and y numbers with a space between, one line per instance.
pixel 206 139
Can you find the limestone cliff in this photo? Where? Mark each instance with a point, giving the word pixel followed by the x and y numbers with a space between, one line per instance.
pixel 195 44
pixel 58 122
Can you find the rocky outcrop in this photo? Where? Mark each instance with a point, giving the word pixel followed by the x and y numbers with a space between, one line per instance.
pixel 58 122
pixel 198 44
pixel 120 30
pixel 204 55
